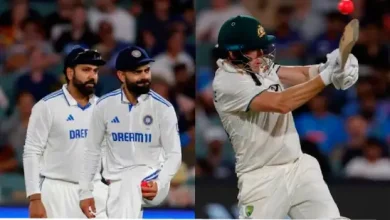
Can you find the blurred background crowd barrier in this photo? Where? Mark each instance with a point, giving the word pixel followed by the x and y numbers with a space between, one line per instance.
pixel 347 131
pixel 36 35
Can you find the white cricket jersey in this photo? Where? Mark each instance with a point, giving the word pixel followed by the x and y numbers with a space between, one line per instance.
pixel 144 134
pixel 258 138
pixel 56 139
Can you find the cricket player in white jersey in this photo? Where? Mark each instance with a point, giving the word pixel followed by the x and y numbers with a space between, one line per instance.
pixel 144 150
pixel 254 98
pixel 56 139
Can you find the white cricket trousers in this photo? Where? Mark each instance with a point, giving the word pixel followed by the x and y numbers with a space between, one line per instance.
pixel 297 190
pixel 125 197
pixel 61 199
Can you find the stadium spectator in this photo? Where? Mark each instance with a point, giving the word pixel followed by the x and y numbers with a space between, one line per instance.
pixel 373 165
pixel 60 20
pixel 14 130
pixel 33 36
pixel 13 18
pixel 209 21
pixel 371 50
pixel 148 41
pixel 319 125
pixel 185 82
pixel 124 23
pixel 357 132
pixel 215 138
pixel 108 46
pixel 306 21
pixel 37 80
pixel 158 21
pixel 328 40
pixel 136 8
pixel 174 54
pixel 79 34
pixel 189 18
pixel 288 42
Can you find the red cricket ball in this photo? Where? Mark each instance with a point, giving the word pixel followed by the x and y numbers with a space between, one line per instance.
pixel 144 184
pixel 346 7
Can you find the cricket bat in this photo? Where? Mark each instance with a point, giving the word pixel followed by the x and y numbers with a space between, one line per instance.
pixel 350 36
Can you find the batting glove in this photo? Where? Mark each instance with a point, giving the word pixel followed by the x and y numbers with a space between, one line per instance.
pixel 349 76
pixel 330 58
pixel 327 70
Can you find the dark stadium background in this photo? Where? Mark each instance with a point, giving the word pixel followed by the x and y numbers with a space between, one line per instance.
pixel 347 131
pixel 35 35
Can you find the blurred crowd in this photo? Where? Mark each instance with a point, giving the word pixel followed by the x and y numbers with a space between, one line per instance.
pixel 36 35
pixel 347 131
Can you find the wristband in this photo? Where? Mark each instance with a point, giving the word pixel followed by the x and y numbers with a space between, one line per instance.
pixel 314 70
pixel 326 77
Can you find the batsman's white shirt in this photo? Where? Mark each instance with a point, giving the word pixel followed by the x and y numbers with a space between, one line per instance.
pixel 143 135
pixel 274 177
pixel 54 148
pixel 258 139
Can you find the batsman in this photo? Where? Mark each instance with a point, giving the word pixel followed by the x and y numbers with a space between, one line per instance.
pixel 254 98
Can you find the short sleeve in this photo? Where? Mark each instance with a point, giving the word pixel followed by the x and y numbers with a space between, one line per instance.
pixel 234 92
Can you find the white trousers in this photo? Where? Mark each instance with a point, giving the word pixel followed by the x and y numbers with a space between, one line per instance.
pixel 296 190
pixel 125 197
pixel 61 199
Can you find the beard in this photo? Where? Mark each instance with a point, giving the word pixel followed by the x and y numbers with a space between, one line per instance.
pixel 136 88
pixel 83 88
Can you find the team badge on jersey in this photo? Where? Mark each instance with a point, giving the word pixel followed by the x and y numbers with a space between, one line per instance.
pixel 249 210
pixel 148 120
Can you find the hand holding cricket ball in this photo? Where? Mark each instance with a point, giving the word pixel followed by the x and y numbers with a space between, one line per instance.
pixel 149 189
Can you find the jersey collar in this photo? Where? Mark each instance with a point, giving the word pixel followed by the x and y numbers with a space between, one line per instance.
pixel 226 66
pixel 140 99
pixel 71 101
